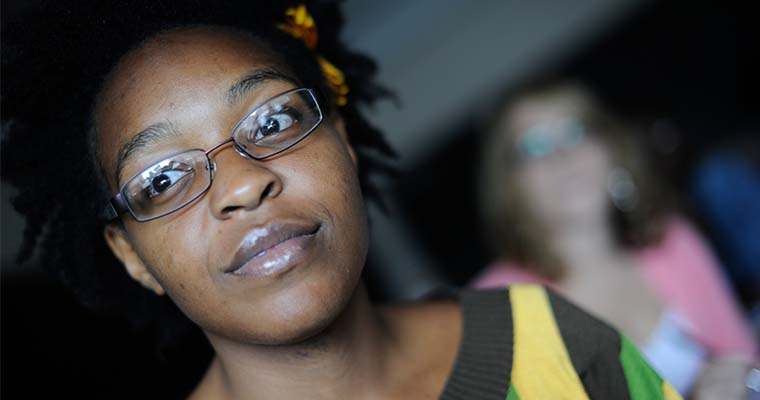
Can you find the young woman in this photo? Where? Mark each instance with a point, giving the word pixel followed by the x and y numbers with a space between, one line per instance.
pixel 570 202
pixel 219 154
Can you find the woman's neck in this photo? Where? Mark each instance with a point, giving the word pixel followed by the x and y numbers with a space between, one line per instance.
pixel 345 360
pixel 585 244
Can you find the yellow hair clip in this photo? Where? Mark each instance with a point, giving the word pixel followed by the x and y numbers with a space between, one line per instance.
pixel 300 24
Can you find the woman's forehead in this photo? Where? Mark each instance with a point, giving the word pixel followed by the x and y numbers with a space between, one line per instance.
pixel 185 70
pixel 189 55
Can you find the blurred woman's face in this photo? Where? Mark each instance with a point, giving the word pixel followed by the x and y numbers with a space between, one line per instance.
pixel 561 168
pixel 273 251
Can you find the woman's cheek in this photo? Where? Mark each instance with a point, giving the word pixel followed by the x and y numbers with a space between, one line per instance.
pixel 175 254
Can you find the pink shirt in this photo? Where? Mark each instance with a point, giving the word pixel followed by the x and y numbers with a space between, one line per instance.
pixel 685 275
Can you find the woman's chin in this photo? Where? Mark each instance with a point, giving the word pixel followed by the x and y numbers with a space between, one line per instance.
pixel 291 317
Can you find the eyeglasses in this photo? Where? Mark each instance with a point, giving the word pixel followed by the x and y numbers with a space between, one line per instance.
pixel 539 141
pixel 176 181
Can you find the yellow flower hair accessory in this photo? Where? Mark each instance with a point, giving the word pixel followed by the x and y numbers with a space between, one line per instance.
pixel 300 24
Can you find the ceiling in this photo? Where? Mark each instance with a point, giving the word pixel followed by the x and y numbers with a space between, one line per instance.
pixel 447 58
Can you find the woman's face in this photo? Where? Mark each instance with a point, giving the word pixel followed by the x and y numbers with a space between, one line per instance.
pixel 561 167
pixel 302 207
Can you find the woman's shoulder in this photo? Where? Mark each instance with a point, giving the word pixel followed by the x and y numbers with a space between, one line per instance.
pixel 545 347
pixel 529 309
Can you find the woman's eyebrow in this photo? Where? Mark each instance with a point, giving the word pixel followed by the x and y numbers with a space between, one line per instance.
pixel 160 130
pixel 254 79
pixel 151 134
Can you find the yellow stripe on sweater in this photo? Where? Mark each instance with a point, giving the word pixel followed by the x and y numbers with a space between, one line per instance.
pixel 541 366
pixel 669 392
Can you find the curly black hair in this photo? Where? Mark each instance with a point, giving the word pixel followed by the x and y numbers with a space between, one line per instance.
pixel 55 58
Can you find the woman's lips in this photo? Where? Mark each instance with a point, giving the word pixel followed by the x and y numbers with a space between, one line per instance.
pixel 272 249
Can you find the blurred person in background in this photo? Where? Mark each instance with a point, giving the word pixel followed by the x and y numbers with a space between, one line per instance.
pixel 568 201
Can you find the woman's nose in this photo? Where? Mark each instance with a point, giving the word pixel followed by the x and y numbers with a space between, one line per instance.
pixel 241 184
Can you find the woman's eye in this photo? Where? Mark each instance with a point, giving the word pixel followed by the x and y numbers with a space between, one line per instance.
pixel 161 182
pixel 273 124
pixel 534 147
pixel 165 180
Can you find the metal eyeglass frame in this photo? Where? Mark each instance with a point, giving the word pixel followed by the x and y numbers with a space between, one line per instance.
pixel 118 205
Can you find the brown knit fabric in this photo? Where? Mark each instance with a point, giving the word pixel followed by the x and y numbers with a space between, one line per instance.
pixel 484 361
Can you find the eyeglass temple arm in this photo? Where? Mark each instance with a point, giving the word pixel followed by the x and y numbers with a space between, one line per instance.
pixel 116 206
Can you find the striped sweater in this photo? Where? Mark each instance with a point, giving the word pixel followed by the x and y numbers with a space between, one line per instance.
pixel 527 343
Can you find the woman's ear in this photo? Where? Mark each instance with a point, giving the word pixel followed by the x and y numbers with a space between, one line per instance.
pixel 340 126
pixel 122 248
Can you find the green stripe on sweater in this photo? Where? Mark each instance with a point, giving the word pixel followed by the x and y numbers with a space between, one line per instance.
pixel 512 395
pixel 643 381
